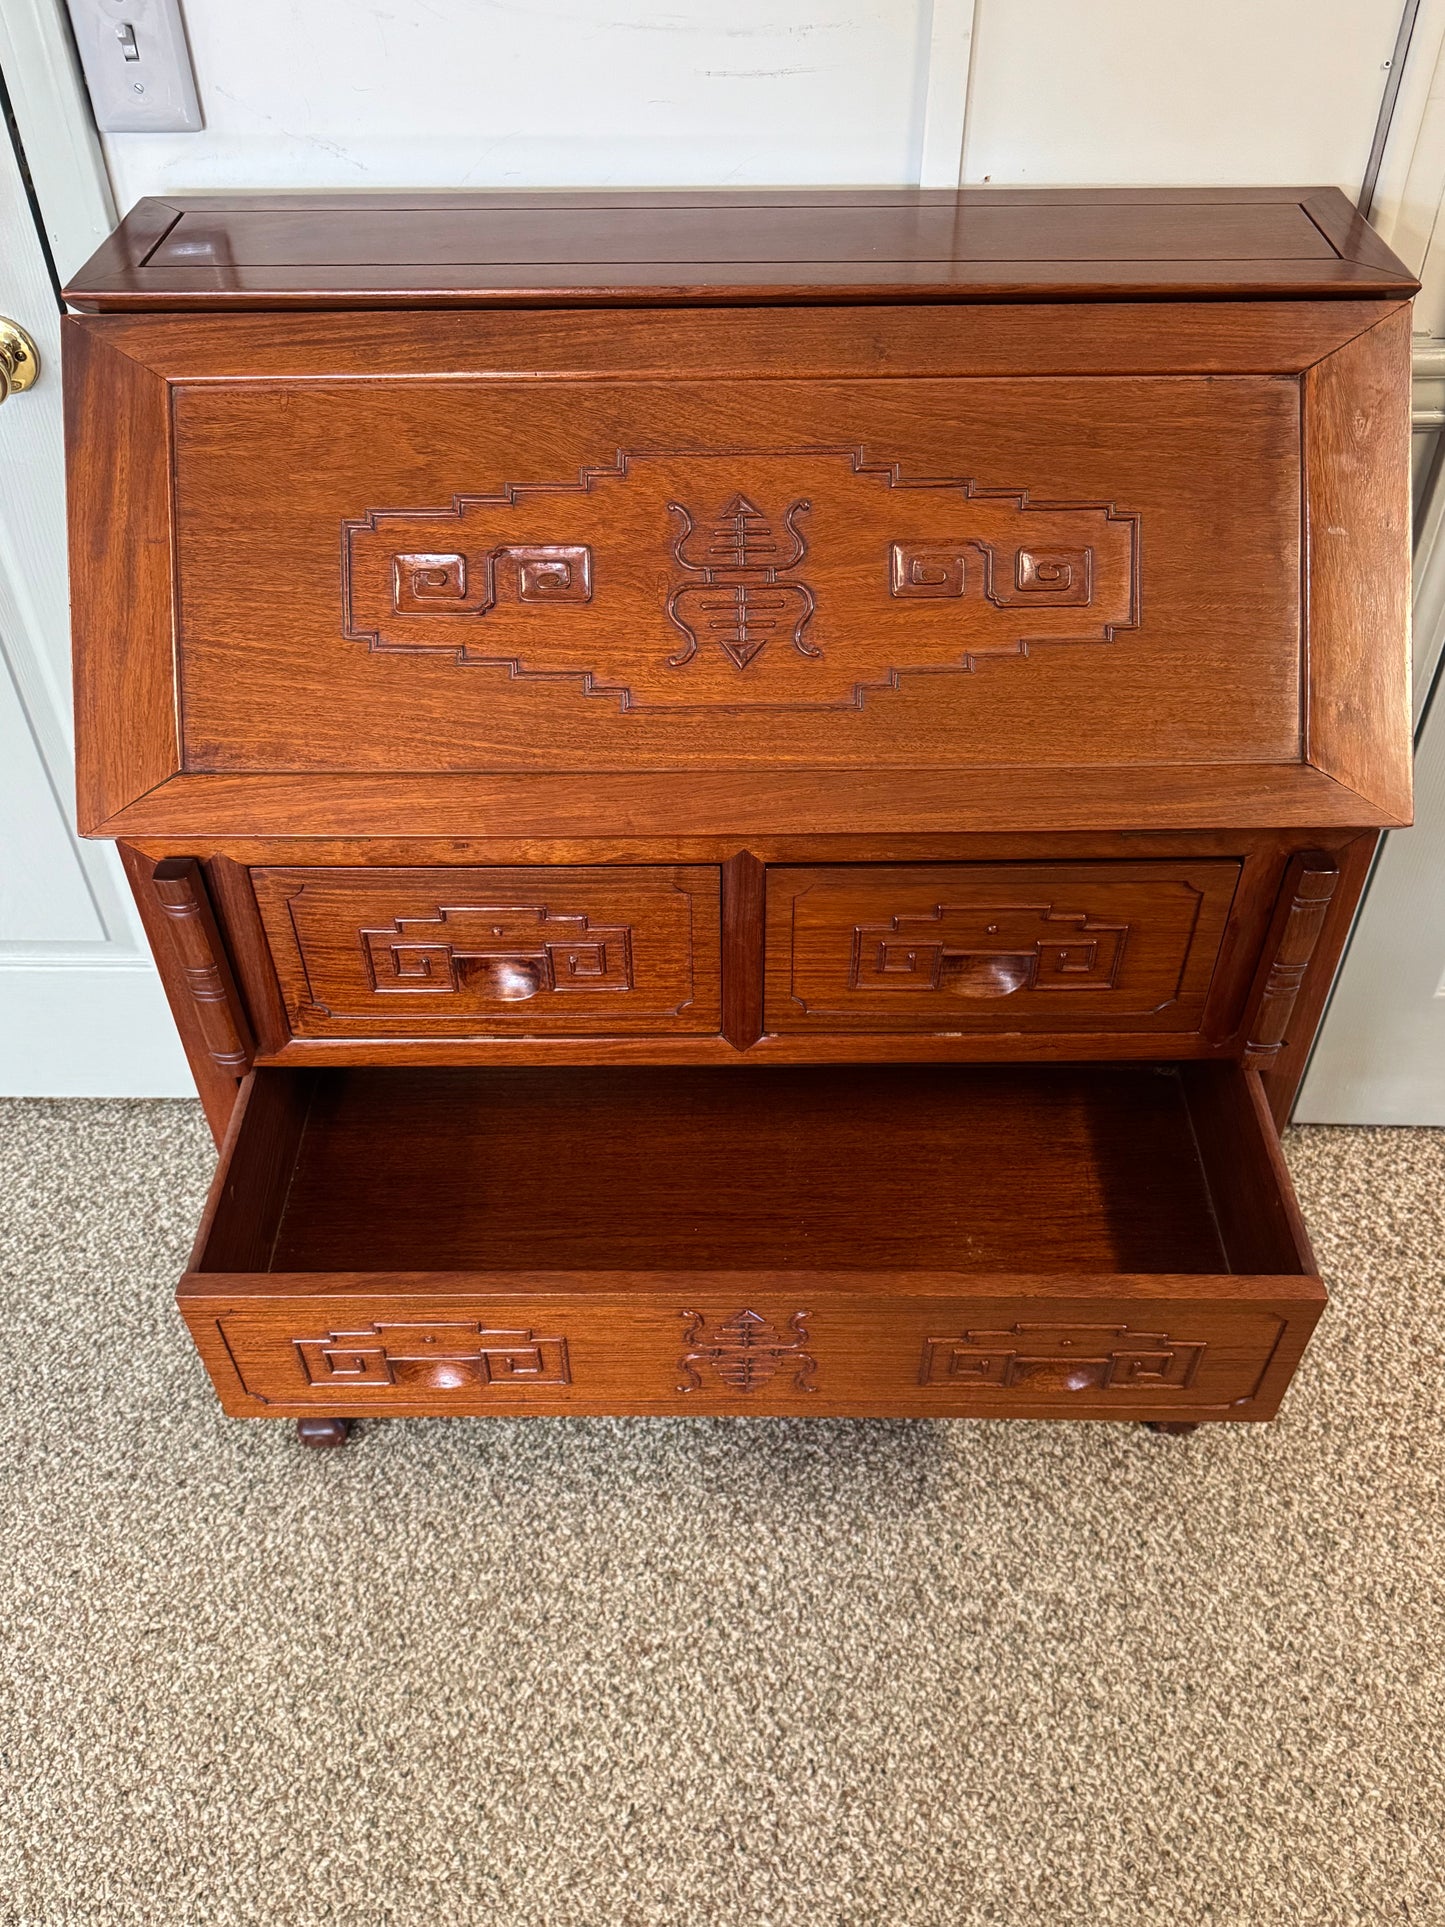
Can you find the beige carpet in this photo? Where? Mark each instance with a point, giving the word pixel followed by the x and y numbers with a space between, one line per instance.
pixel 610 1674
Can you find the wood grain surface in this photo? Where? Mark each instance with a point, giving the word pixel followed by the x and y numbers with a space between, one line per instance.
pixel 437 952
pixel 1014 947
pixel 977 573
pixel 419 250
pixel 1195 715
pixel 1228 961
pixel 1357 470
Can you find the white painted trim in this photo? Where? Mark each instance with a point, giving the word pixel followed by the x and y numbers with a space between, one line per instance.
pixel 40 956
pixel 1412 175
pixel 1429 593
pixel 1427 392
pixel 79 1017
pixel 105 1032
pixel 52 111
pixel 945 101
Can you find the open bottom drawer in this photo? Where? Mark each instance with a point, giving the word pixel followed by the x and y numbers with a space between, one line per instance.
pixel 1064 1242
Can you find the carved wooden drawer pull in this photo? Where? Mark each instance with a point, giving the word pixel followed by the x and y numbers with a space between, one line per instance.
pixel 990 951
pixel 512 980
pixel 1063 1358
pixel 440 1355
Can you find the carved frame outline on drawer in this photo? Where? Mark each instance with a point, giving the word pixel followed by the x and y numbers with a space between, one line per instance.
pixel 558 950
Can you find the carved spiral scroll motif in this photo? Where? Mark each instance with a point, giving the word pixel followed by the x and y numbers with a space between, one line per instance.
pixel 1037 578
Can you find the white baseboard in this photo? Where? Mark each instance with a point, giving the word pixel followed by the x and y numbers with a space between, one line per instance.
pixel 88 1030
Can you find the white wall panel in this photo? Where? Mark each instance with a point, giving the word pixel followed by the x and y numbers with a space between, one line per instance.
pixel 458 93
pixel 1164 91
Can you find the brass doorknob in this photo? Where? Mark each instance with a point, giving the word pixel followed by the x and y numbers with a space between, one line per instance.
pixel 19 360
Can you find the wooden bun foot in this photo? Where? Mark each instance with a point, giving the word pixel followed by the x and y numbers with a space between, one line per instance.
pixel 1178 1428
pixel 322 1433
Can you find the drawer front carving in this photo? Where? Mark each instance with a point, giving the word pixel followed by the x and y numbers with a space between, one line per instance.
pixel 1110 576
pixel 440 1356
pixel 463 952
pixel 407 1358
pixel 405 1348
pixel 1063 1358
pixel 954 947
pixel 511 953
pixel 745 1352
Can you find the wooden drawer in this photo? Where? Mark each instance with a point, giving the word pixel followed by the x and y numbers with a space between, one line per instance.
pixel 1118 1242
pixel 418 953
pixel 1020 947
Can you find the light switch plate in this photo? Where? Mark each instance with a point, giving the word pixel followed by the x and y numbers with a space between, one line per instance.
pixel 137 65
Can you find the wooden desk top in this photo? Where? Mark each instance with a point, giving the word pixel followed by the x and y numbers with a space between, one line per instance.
pixel 815 246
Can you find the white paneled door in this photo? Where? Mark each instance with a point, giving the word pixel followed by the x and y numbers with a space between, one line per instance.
pixel 81 1009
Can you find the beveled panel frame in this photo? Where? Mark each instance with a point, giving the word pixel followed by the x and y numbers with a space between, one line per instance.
pixel 1349 357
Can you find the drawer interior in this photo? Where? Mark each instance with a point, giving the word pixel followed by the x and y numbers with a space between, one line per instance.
pixel 1071 1169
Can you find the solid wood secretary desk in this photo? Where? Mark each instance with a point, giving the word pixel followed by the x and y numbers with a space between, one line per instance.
pixel 746 801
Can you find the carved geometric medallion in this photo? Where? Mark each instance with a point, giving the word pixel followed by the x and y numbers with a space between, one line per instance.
pixel 590 582
pixel 434 1356
pixel 741 603
pixel 1062 1358
pixel 745 1352
pixel 988 951
pixel 510 953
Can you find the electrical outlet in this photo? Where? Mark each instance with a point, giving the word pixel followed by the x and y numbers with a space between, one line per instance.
pixel 137 65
